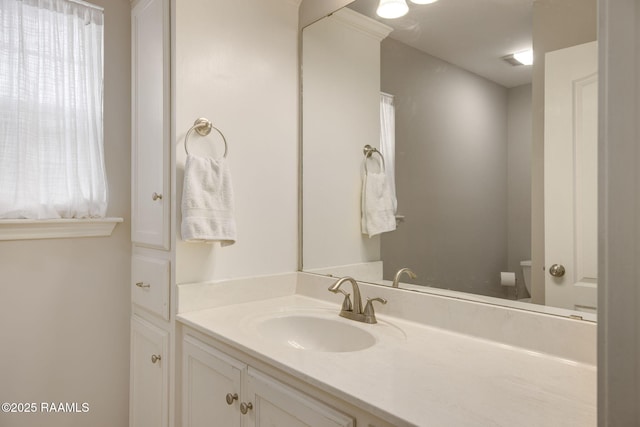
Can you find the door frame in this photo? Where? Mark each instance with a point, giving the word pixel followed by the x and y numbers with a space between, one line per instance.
pixel 618 213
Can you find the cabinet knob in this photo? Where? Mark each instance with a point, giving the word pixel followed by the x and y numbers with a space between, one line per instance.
pixel 231 398
pixel 155 358
pixel 155 196
pixel 245 407
pixel 143 285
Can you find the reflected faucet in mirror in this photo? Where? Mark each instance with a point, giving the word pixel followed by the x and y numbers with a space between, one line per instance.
pixel 407 271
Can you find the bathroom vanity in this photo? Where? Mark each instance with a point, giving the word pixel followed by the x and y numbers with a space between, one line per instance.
pixel 275 350
pixel 229 352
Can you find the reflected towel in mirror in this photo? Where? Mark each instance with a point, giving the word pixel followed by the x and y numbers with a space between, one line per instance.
pixel 378 205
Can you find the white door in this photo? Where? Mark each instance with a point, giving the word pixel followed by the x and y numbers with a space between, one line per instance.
pixel 571 177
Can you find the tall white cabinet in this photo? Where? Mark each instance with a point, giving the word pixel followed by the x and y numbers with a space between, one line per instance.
pixel 151 204
pixel 189 60
pixel 151 138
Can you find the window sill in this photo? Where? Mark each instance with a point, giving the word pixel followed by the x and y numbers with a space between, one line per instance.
pixel 29 229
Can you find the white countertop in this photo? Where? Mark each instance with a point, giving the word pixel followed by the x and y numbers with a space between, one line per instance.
pixel 420 376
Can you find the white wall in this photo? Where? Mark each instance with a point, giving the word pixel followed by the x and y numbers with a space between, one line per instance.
pixel 64 303
pixel 236 63
pixel 341 104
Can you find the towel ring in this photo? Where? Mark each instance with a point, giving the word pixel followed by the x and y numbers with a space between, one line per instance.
pixel 203 127
pixel 368 152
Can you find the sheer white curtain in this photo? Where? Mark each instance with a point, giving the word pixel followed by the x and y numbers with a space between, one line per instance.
pixel 51 136
pixel 388 141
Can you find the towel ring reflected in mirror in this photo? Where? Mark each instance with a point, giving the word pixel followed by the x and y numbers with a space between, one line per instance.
pixel 203 127
pixel 368 152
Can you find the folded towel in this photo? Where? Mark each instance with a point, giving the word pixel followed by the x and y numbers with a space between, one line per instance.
pixel 207 201
pixel 378 205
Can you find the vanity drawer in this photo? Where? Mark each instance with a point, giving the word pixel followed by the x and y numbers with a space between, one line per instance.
pixel 150 279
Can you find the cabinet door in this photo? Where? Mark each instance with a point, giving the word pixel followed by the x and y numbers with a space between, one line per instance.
pixel 275 404
pixel 208 376
pixel 150 132
pixel 149 394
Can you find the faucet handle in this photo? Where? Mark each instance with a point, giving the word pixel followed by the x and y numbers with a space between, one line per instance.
pixel 346 304
pixel 369 313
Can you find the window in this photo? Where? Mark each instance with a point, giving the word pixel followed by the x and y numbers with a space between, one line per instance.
pixel 51 126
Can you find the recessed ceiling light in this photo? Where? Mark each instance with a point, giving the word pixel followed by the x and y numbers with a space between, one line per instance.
pixel 423 1
pixel 392 9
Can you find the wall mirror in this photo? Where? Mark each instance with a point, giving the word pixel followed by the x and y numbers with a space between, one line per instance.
pixel 478 159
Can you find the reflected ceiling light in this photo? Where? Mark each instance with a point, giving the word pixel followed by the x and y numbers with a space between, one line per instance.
pixel 524 57
pixel 423 1
pixel 391 9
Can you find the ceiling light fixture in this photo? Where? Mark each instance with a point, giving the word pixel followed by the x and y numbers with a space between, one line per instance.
pixel 524 57
pixel 392 9
pixel 423 1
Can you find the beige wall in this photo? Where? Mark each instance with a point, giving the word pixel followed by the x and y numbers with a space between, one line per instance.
pixel 556 24
pixel 64 303
pixel 312 10
pixel 236 63
pixel 341 104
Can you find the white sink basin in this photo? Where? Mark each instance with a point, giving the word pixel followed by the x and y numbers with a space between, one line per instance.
pixel 307 332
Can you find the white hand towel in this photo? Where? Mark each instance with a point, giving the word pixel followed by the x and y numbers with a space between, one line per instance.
pixel 378 206
pixel 207 201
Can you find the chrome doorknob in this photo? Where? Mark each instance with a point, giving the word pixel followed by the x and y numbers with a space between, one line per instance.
pixel 557 270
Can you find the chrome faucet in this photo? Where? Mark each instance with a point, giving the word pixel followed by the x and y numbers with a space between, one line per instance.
pixel 354 311
pixel 396 279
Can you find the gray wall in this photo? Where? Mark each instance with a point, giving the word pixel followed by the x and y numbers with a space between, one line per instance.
pixel 64 303
pixel 518 181
pixel 451 170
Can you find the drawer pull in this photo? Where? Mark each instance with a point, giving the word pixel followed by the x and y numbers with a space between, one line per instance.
pixel 245 407
pixel 231 398
pixel 143 285
pixel 155 196
pixel 155 358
